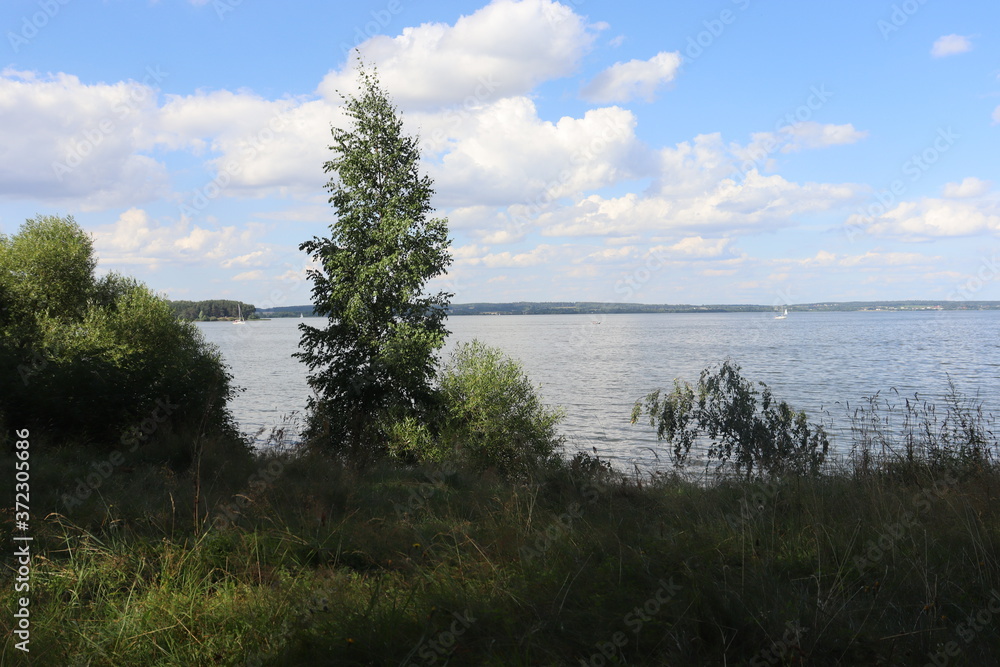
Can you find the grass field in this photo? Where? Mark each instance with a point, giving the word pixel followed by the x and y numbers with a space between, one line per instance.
pixel 298 560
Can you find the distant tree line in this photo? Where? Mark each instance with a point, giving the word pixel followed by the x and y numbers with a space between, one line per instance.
pixel 595 308
pixel 288 311
pixel 212 309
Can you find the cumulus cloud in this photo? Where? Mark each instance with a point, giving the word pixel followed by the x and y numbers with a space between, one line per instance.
pixel 136 238
pixel 253 144
pixel 612 255
pixel 66 142
pixel 969 187
pixel 505 48
pixel 931 218
pixel 504 154
pixel 801 136
pixel 950 45
pixel 541 254
pixel 636 79
pixel 255 258
pixel 696 247
pixel 757 203
pixel 760 151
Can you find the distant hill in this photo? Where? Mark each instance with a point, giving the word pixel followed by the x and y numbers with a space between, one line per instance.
pixel 603 307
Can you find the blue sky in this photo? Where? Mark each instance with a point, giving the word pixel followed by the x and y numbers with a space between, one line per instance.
pixel 735 151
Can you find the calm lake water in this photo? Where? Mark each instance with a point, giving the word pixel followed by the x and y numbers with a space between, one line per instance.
pixel 597 366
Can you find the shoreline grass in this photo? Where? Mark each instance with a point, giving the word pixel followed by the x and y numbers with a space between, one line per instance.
pixel 322 564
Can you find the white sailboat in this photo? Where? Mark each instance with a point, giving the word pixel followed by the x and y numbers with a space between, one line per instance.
pixel 239 318
pixel 784 314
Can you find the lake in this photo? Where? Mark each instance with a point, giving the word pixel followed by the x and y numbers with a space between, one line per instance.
pixel 597 366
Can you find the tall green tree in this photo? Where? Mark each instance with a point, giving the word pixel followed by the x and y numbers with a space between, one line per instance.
pixel 376 358
pixel 89 360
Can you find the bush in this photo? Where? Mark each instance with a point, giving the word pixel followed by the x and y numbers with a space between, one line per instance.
pixel 490 417
pixel 769 436
pixel 98 361
pixel 495 418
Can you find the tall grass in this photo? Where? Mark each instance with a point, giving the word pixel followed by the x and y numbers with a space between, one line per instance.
pixel 885 560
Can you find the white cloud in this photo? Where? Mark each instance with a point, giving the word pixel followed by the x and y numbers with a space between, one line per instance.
pixel 758 203
pixel 696 247
pixel 505 48
pixel 763 146
pixel 929 218
pixel 135 238
pixel 969 187
pixel 541 254
pixel 612 254
pixel 504 154
pixel 255 258
pixel 817 135
pixel 470 251
pixel 257 145
pixel 623 82
pixel 996 115
pixel 66 142
pixel 950 45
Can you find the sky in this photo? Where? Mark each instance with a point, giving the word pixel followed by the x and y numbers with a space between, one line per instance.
pixel 711 152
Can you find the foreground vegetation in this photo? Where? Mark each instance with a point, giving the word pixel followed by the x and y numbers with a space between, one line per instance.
pixel 296 558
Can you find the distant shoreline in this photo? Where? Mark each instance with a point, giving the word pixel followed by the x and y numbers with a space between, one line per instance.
pixel 610 308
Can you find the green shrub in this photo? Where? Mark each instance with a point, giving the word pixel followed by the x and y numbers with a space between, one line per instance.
pixel 99 361
pixel 768 436
pixel 493 416
pixel 410 440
